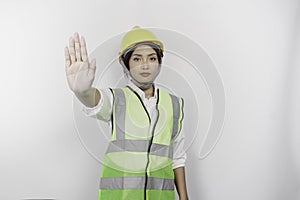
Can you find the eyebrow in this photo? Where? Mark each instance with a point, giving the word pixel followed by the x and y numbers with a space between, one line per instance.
pixel 141 55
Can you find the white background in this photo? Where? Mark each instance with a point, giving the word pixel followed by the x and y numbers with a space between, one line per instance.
pixel 254 44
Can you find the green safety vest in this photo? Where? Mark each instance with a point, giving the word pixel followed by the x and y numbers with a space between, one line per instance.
pixel 138 162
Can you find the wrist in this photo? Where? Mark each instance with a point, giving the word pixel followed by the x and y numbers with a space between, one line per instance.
pixel 89 97
pixel 183 197
pixel 85 92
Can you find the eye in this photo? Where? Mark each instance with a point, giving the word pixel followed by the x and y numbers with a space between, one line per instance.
pixel 153 58
pixel 136 59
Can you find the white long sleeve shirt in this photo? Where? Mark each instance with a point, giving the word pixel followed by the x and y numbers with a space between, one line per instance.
pixel 103 110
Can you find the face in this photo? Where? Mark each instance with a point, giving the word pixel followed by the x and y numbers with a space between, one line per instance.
pixel 143 64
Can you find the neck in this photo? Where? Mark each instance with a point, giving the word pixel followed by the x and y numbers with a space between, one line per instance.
pixel 149 92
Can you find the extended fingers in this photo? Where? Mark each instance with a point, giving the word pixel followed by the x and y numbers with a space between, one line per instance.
pixel 72 50
pixel 83 49
pixel 77 47
pixel 67 57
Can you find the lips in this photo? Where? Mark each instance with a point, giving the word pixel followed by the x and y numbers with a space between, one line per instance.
pixel 145 74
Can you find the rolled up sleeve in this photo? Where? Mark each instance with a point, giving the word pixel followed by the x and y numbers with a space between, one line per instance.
pixel 179 154
pixel 103 109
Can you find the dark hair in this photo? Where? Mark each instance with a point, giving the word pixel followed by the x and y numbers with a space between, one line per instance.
pixel 127 54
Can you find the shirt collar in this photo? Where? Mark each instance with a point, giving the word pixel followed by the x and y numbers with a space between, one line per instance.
pixel 141 92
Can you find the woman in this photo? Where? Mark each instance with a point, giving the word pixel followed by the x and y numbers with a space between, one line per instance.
pixel 145 156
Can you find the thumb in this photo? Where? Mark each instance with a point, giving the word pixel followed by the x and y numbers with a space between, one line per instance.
pixel 93 64
pixel 92 68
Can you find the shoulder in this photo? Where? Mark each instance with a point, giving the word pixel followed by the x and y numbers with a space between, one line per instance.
pixel 119 93
pixel 172 95
pixel 117 89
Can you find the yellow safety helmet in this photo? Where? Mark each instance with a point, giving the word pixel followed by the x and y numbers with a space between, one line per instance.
pixel 138 35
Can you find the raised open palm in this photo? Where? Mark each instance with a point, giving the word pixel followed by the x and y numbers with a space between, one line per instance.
pixel 79 71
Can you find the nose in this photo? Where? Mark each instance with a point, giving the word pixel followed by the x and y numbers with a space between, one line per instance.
pixel 145 64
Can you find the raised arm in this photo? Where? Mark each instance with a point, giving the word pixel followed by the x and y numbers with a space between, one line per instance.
pixel 80 72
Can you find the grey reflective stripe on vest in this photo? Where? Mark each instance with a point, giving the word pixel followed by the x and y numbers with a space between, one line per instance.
pixel 136 183
pixel 176 114
pixel 139 146
pixel 120 110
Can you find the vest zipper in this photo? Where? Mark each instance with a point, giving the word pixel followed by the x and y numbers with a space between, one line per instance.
pixel 152 135
pixel 148 153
